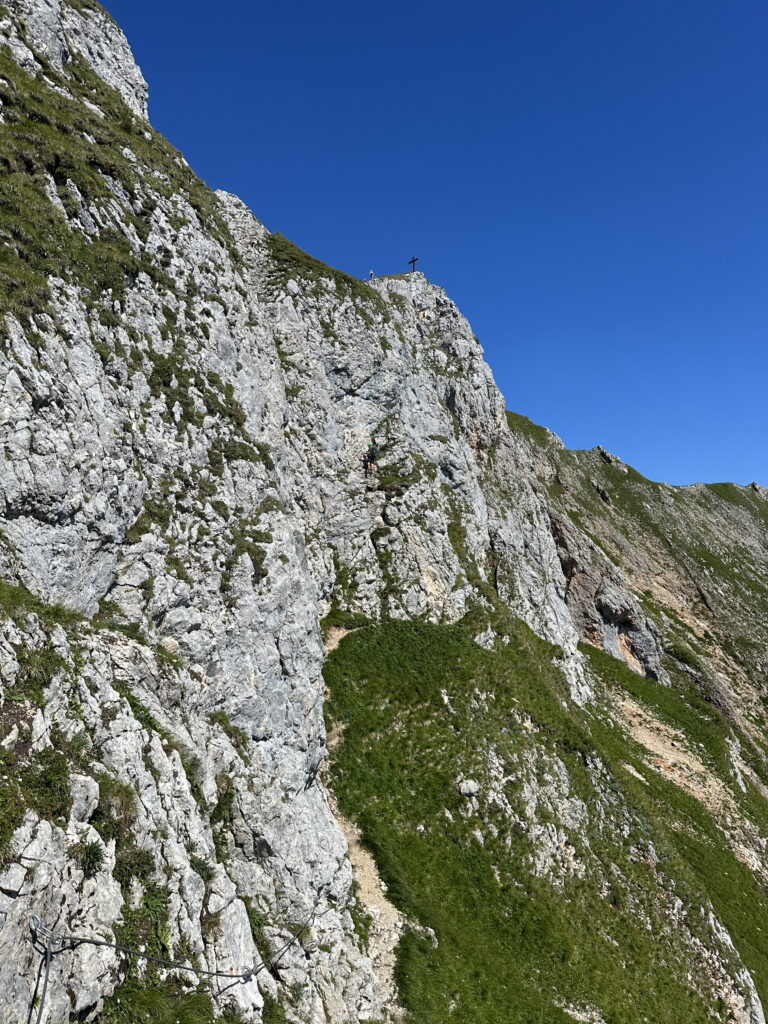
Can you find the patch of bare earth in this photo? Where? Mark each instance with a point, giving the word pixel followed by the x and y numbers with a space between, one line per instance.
pixel 335 635
pixel 671 756
pixel 386 922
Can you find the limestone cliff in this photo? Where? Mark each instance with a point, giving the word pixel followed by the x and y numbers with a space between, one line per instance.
pixel 184 402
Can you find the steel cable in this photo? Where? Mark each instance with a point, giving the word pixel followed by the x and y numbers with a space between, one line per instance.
pixel 66 941
pixel 48 956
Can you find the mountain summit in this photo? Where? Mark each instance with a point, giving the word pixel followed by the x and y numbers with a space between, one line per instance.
pixel 478 735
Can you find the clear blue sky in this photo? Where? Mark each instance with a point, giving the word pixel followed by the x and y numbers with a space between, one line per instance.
pixel 588 179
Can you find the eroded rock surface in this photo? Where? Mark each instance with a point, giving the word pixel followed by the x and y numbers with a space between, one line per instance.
pixel 184 403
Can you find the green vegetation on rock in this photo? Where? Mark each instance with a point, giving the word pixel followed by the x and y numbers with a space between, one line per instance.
pixel 39 781
pixel 89 7
pixel 36 670
pixel 144 995
pixel 54 144
pixel 289 261
pixel 520 424
pixel 422 707
pixel 16 602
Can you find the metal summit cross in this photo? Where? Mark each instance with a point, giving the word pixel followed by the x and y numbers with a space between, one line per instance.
pixel 413 262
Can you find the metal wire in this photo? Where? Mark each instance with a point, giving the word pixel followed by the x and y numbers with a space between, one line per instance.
pixel 64 941
pixel 48 956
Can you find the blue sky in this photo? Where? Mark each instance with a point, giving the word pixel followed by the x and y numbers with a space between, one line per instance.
pixel 588 179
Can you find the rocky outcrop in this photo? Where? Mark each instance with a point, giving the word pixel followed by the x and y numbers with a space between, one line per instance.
pixel 55 31
pixel 184 402
pixel 604 610
pixel 182 463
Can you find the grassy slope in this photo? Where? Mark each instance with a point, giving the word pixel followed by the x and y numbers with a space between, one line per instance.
pixel 53 142
pixel 711 531
pixel 511 946
pixel 696 557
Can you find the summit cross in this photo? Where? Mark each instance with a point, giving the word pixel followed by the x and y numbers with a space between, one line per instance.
pixel 413 262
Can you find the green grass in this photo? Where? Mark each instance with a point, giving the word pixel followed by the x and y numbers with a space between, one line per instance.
pixel 202 867
pixel 45 785
pixel 91 858
pixel 39 781
pixel 227 449
pixel 89 7
pixel 361 918
pixel 737 572
pixel 394 479
pixel 238 738
pixel 520 424
pixel 16 602
pixel 47 134
pixel 36 670
pixel 165 1002
pixel 130 629
pixel 740 900
pixel 637 502
pixel 222 815
pixel 273 1012
pixel 289 261
pixel 175 565
pixel 341 618
pixel 703 538
pixel 116 809
pixel 246 539
pixel 114 819
pixel 44 137
pixel 132 863
pixel 11 803
pixel 145 996
pixel 173 377
pixel 681 705
pixel 154 512
pixel 510 946
pixel 258 921
pixel 744 497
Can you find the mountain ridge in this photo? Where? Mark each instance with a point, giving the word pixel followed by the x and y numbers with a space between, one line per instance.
pixel 186 398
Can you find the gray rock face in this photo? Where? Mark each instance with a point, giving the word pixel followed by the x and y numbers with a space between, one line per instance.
pixel 183 499
pixel 56 30
pixel 213 495
pixel 603 608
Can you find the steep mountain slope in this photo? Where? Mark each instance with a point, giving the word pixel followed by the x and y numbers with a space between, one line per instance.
pixel 184 400
pixel 578 863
